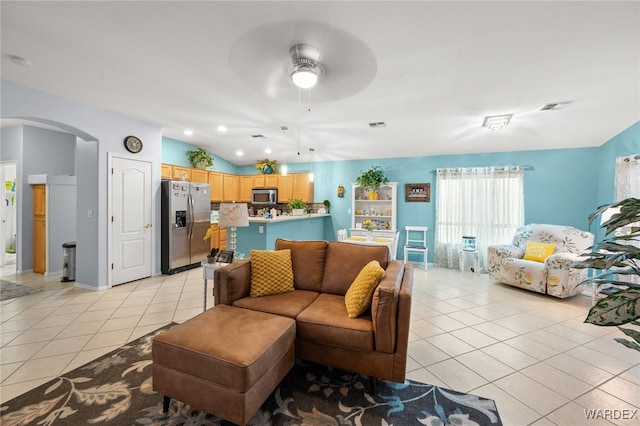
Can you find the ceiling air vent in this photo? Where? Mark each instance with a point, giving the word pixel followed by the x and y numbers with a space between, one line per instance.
pixel 554 106
pixel 258 136
pixel 377 124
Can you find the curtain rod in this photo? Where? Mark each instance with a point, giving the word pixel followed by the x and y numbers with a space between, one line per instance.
pixel 525 167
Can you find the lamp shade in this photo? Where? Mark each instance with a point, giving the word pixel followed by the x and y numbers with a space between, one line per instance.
pixel 304 78
pixel 233 214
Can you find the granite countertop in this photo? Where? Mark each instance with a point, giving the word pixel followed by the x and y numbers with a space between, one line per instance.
pixel 260 219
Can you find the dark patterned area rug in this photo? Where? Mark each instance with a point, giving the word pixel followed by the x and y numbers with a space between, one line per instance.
pixel 9 290
pixel 117 389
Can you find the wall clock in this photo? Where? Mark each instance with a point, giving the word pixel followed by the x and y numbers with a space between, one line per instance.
pixel 133 144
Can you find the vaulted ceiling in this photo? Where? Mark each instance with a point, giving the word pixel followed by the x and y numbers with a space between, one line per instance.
pixel 429 70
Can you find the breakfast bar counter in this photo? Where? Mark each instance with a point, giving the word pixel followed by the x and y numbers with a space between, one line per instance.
pixel 261 234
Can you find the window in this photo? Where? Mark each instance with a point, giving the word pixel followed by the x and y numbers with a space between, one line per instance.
pixel 486 202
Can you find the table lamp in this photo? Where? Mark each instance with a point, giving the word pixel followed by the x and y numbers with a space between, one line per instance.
pixel 232 215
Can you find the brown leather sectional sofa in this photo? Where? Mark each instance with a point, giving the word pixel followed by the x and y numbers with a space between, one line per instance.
pixel 374 343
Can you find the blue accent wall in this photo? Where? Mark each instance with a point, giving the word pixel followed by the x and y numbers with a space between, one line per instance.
pixel 175 152
pixel 564 186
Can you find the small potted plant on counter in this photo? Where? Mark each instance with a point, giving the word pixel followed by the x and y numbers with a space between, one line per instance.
pixel 200 159
pixel 267 166
pixel 297 206
pixel 327 204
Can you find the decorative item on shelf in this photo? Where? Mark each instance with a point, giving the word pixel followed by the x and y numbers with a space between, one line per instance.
pixel 232 215
pixel 371 180
pixel 369 225
pixel 327 204
pixel 340 191
pixel 199 158
pixel 297 206
pixel 617 256
pixel 212 257
pixel 266 166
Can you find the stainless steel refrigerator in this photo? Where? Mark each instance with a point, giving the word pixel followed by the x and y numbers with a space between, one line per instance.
pixel 186 213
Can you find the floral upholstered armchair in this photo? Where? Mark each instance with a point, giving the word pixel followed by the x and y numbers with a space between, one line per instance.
pixel 538 259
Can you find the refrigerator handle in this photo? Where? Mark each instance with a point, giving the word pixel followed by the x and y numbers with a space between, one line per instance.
pixel 190 215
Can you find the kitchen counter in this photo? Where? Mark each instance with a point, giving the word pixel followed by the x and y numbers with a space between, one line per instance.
pixel 262 233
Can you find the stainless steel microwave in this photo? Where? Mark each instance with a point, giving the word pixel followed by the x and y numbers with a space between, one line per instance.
pixel 265 196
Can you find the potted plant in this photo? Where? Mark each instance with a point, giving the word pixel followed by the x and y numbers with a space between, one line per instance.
pixel 327 204
pixel 617 255
pixel 213 255
pixel 297 206
pixel 199 158
pixel 267 166
pixel 371 180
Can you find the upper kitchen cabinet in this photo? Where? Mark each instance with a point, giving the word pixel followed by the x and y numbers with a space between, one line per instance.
pixel 230 187
pixel 285 188
pixel 216 183
pixel 166 171
pixel 199 175
pixel 181 173
pixel 302 187
pixel 246 183
pixel 271 181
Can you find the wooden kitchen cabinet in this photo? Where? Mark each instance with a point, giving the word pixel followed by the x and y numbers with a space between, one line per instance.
pixel 181 173
pixel 166 171
pixel 271 180
pixel 230 187
pixel 199 175
pixel 218 237
pixel 216 183
pixel 302 187
pixel 285 188
pixel 246 184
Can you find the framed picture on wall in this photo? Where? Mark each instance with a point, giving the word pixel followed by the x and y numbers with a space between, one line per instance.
pixel 417 192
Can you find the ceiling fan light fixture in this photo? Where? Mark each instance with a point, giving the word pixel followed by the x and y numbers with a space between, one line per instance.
pixel 304 69
pixel 496 122
pixel 304 78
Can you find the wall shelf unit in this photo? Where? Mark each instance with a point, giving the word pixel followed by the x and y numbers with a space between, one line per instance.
pixel 381 210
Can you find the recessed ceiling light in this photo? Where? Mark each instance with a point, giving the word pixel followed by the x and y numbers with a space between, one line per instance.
pixel 222 128
pixel 20 61
pixel 188 132
pixel 239 153
pixel 267 150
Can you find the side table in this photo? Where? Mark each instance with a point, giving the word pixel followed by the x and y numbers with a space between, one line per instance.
pixel 207 274
pixel 476 260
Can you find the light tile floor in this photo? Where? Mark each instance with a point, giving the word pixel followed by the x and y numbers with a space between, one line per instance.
pixel 531 353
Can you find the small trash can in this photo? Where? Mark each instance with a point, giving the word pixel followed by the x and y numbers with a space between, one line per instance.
pixel 69 261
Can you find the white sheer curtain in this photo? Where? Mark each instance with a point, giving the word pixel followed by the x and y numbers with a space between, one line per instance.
pixel 486 202
pixel 627 177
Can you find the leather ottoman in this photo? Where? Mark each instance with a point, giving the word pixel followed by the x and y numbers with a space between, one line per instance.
pixel 225 361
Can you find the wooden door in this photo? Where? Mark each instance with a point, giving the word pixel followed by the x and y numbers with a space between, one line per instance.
pixel 39 244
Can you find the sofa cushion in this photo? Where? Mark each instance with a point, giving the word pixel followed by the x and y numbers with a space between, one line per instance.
pixel 271 272
pixel 326 322
pixel 307 259
pixel 538 252
pixel 344 262
pixel 358 297
pixel 287 304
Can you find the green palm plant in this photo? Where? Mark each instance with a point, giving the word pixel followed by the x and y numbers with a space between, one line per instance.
pixel 617 255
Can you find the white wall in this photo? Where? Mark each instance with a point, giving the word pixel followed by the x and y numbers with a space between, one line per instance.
pixel 107 130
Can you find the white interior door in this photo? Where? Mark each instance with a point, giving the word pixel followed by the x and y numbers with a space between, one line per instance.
pixel 131 219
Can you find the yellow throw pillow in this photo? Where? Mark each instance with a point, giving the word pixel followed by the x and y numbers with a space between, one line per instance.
pixel 538 252
pixel 271 272
pixel 358 297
